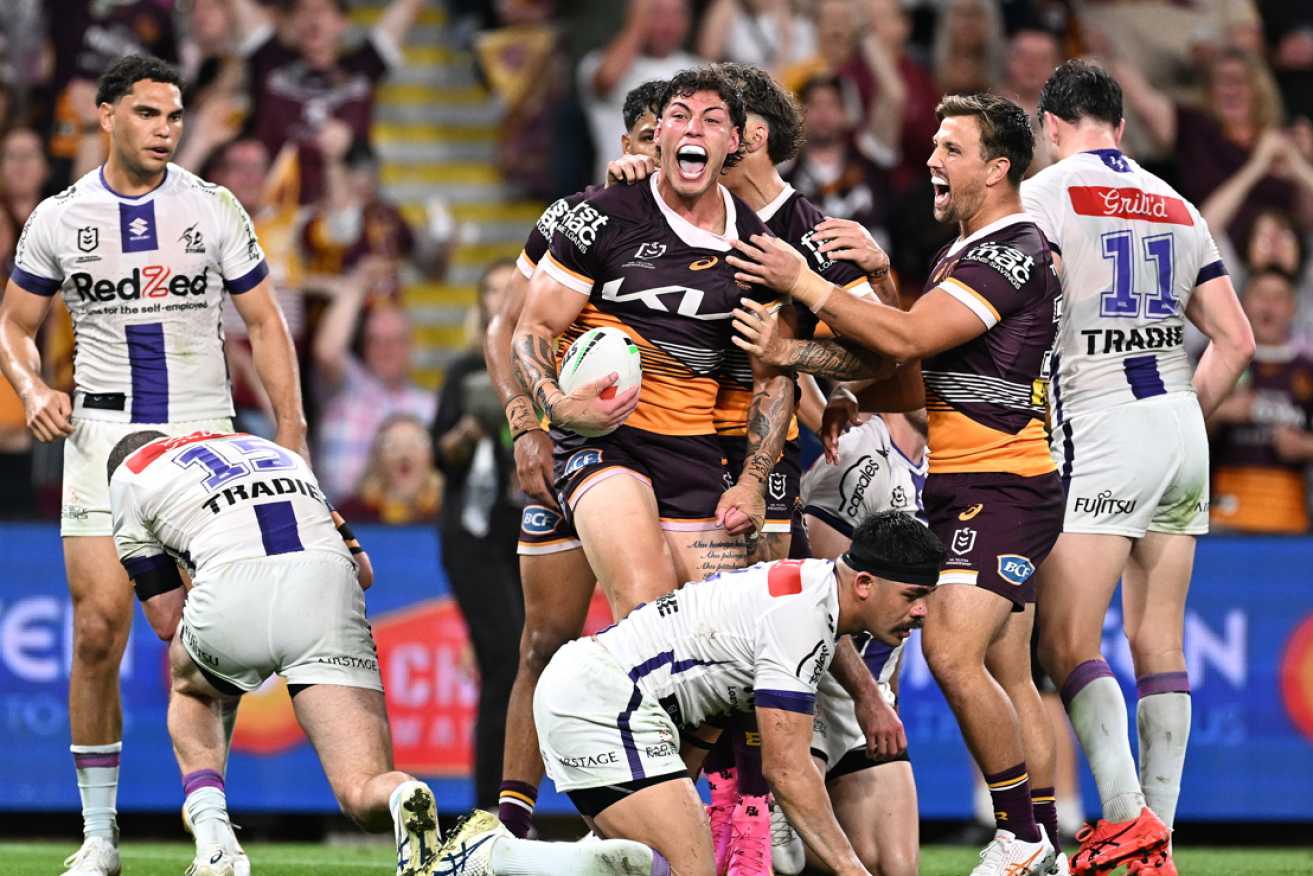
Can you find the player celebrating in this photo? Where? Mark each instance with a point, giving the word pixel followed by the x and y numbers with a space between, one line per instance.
pixel 558 582
pixel 651 259
pixel 258 564
pixel 613 709
pixel 984 329
pixel 1136 261
pixel 142 252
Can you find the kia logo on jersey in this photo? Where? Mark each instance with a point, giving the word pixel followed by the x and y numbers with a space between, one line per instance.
pixel 137 227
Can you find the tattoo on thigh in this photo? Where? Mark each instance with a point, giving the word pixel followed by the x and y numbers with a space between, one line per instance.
pixel 768 547
pixel 719 554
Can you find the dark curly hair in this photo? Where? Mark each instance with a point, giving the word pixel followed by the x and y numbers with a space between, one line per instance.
pixel 687 83
pixel 1005 130
pixel 642 100
pixel 763 96
pixel 896 537
pixel 128 445
pixel 124 73
pixel 1077 90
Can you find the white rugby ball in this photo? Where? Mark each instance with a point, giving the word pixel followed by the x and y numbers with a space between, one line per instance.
pixel 595 354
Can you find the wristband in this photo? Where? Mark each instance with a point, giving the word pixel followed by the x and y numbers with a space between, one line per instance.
pixel 810 286
pixel 816 308
pixel 520 434
pixel 880 274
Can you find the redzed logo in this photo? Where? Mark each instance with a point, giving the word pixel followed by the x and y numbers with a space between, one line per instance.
pixel 1129 204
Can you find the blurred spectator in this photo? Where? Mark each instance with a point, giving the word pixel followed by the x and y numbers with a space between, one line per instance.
pixel 480 525
pixel 1262 441
pixel 1289 29
pixel 768 34
pixel 85 38
pixel 358 392
pixel 1032 57
pixel 243 167
pixel 297 89
pixel 1213 144
pixel 24 173
pixel 968 47
pixel 647 47
pixel 836 169
pixel 400 484
pixel 891 23
pixel 351 221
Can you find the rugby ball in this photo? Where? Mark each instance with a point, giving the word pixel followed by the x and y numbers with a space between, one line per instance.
pixel 595 354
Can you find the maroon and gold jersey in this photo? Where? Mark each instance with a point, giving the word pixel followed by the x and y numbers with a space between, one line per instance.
pixel 1253 489
pixel 664 282
pixel 986 398
pixel 540 235
pixel 791 218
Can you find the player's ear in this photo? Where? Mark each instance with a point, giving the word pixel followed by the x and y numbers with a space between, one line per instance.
pixel 624 144
pixel 1117 134
pixel 998 171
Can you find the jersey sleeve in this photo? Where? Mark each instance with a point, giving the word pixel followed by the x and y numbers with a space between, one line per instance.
pixel 794 642
pixel 540 236
pixel 991 278
pixel 36 267
pixel 138 548
pixel 241 261
pixel 1210 261
pixel 842 495
pixel 579 242
pixel 1041 196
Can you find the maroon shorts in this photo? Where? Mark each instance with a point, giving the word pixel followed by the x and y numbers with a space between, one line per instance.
pixel 997 528
pixel 782 490
pixel 544 531
pixel 687 473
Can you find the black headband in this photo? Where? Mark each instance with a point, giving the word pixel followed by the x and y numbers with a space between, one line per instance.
pixel 922 574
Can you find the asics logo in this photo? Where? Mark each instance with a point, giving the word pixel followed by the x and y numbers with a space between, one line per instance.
pixel 455 859
pixel 703 264
pixel 216 857
pixel 970 512
pixel 1022 868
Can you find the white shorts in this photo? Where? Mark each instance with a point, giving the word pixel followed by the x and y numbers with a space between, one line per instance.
pixel 85 507
pixel 1136 468
pixel 299 615
pixel 595 727
pixel 835 730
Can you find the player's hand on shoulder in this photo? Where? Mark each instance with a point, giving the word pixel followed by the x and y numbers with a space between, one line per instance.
pixel 759 333
pixel 851 241
pixel 533 466
pixel 629 169
pixel 840 413
pixel 741 509
pixel 48 412
pixel 768 261
pixel 588 407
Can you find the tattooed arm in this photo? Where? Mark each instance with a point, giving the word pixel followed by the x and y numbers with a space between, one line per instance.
pixel 549 309
pixel 834 358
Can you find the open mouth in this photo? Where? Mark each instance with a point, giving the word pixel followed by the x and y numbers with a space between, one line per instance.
pixel 692 162
pixel 941 190
pixel 159 152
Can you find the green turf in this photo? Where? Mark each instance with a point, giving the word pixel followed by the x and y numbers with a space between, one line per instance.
pixel 299 859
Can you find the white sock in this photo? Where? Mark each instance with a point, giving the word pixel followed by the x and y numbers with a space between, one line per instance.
pixel 517 857
pixel 1163 722
pixel 1071 815
pixel 98 783
pixel 1098 715
pixel 207 809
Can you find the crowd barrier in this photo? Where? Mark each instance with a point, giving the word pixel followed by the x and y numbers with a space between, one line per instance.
pixel 1248 643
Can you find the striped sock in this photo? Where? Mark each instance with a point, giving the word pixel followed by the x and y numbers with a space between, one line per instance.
pixel 1162 719
pixel 207 807
pixel 515 807
pixel 1013 811
pixel 1098 715
pixel 1045 803
pixel 98 783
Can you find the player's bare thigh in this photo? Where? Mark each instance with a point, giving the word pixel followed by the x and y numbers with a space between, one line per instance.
pixel 877 809
pixel 702 553
pixel 1074 587
pixel 618 523
pixel 668 817
pixel 1154 589
pixel 102 618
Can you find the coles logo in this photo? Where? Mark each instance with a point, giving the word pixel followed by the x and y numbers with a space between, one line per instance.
pixel 1129 203
pixel 1295 677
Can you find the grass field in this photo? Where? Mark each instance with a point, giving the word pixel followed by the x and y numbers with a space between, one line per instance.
pixel 301 859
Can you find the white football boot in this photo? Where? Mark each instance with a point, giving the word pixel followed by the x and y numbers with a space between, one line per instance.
pixel 1009 856
pixel 416 829
pixel 787 852
pixel 468 849
pixel 97 857
pixel 241 863
pixel 214 860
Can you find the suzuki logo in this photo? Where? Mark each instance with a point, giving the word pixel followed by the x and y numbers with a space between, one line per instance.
pixel 138 227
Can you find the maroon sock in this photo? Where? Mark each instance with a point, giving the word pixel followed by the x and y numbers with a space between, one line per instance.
pixel 1013 811
pixel 747 755
pixel 515 807
pixel 1045 803
pixel 721 756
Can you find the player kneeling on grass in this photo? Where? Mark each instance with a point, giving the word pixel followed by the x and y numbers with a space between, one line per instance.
pixel 276 590
pixel 614 710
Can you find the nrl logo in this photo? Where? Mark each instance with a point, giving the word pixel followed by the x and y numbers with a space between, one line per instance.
pixel 88 239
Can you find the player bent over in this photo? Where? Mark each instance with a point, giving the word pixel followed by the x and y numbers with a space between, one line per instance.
pixel 275 590
pixel 1129 440
pixel 614 709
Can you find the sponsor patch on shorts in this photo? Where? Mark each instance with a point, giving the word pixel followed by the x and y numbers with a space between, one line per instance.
pixel 538 520
pixel 1015 569
pixel 582 459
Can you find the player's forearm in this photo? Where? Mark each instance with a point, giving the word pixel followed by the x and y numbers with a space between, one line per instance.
pixel 799 788
pixel 1219 368
pixel 533 360
pixel 617 58
pixel 275 362
pixel 769 414
pixel 838 359
pixel 901 393
pixel 873 324
pixel 518 406
pixel 1226 200
pixel 851 673
pixel 20 360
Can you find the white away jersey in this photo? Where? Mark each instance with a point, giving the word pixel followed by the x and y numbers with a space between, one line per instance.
pixel 207 499
pixel 1133 250
pixel 144 278
pixel 760 636
pixel 872 476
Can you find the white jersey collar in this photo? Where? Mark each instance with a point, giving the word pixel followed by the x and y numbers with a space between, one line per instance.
pixel 170 172
pixel 767 213
pixel 1010 219
pixel 690 233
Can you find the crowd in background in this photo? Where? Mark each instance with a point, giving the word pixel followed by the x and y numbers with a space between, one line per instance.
pixel 279 109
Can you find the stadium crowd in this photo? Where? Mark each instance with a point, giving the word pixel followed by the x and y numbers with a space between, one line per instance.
pixel 279 97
